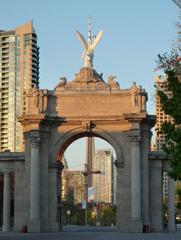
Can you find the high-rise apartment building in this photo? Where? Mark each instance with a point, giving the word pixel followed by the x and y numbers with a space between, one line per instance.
pixel 73 186
pixel 19 69
pixel 161 117
pixel 103 182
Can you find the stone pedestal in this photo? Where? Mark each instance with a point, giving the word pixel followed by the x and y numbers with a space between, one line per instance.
pixel 6 203
pixel 136 224
pixel 171 205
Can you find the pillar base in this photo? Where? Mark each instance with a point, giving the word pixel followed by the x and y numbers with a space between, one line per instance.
pixel 136 226
pixel 171 227
pixel 6 228
pixel 34 226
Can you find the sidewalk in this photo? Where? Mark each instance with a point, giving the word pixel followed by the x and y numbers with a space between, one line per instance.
pixel 91 236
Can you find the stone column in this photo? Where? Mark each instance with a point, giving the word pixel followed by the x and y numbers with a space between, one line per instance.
pixel 171 205
pixel 136 222
pixel 34 225
pixel 145 148
pixel 6 203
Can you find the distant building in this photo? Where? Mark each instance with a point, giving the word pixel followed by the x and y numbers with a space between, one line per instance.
pixel 161 117
pixel 19 69
pixel 73 186
pixel 103 182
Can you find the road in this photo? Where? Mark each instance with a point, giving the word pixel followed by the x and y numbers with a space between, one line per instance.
pixel 90 233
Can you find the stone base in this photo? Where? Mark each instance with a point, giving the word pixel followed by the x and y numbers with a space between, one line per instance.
pixel 136 226
pixel 54 227
pixel 34 226
pixel 6 228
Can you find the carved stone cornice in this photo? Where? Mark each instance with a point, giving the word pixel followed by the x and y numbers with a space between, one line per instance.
pixel 31 121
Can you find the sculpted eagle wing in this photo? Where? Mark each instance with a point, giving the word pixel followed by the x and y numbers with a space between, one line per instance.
pixel 82 40
pixel 96 41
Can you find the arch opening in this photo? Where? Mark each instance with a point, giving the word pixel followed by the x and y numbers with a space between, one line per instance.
pixel 88 181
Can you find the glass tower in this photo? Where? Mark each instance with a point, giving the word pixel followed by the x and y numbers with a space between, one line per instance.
pixel 19 69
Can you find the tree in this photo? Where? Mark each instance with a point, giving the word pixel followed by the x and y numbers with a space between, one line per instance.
pixel 171 104
pixel 178 192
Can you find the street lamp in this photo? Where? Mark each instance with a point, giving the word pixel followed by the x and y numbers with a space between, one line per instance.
pixel 86 173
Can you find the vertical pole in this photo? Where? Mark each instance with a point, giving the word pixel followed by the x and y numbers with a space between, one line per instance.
pixel 6 203
pixel 86 193
pixel 171 205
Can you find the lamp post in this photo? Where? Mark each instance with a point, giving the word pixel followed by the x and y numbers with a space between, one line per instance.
pixel 86 173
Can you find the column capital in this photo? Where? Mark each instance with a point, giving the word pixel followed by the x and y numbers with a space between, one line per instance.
pixel 6 172
pixel 135 139
pixel 35 142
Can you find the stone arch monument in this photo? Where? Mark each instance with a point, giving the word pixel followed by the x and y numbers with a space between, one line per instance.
pixel 85 106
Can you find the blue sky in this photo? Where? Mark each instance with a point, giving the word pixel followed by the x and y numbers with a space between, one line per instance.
pixel 135 32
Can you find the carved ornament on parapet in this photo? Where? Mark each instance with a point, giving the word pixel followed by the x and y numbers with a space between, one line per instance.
pixel 88 125
pixel 112 83
pixel 37 100
pixel 62 83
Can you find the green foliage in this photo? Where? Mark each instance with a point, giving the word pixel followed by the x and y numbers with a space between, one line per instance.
pixel 178 193
pixel 171 105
